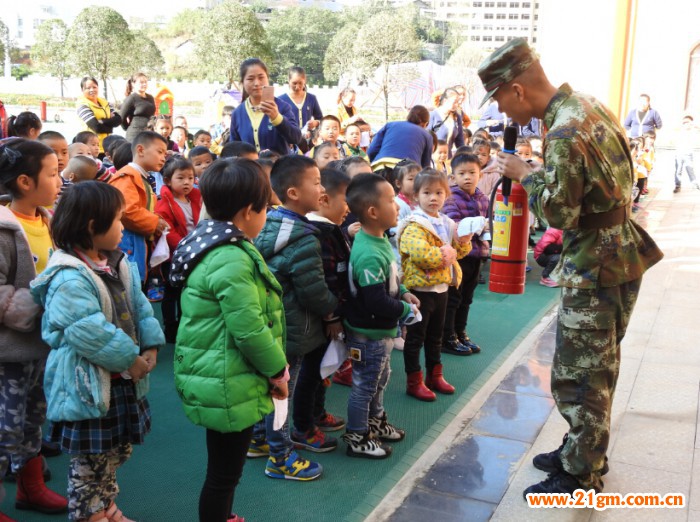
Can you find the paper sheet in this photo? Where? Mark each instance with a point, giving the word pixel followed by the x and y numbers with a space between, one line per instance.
pixel 281 409
pixel 335 355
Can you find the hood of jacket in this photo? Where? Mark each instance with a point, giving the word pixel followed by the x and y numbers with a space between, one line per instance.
pixel 283 228
pixel 208 234
pixel 426 224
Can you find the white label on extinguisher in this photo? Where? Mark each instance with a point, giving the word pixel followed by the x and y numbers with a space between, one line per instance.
pixel 502 220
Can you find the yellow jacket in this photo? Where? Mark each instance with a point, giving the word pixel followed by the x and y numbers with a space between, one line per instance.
pixel 421 260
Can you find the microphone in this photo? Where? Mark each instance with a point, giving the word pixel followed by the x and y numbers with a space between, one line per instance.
pixel 510 137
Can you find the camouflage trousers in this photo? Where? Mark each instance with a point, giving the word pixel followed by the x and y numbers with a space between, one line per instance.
pixel 92 481
pixel 22 413
pixel 591 325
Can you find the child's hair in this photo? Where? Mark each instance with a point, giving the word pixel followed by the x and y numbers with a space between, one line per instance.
pixel 236 149
pixel 131 81
pixel 461 159
pixel 442 142
pixel 482 134
pixel 537 154
pixel 270 154
pixel 322 146
pixel 50 135
pixel 122 155
pixel 348 161
pixel 636 144
pixel 174 164
pixel 403 168
pixel 200 133
pixel 84 137
pixel 245 65
pixel 651 133
pixel 330 117
pixel 199 150
pixel 227 110
pixel 418 115
pixel 478 143
pixel 464 149
pixel 110 145
pixel 231 185
pixel 21 156
pixel 20 125
pixel 145 138
pixel 523 142
pixel 80 166
pixel 161 117
pixel 90 202
pixel 495 146
pixel 334 181
pixel 346 90
pixel 266 162
pixel 429 176
pixel 351 125
pixel 180 127
pixel 467 133
pixel 362 193
pixel 288 172
pixel 336 164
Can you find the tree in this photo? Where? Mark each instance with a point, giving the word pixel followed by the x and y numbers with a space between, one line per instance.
pixel 465 61
pixel 339 63
pixel 144 57
pixel 312 29
pixel 232 34
pixel 99 43
pixel 50 52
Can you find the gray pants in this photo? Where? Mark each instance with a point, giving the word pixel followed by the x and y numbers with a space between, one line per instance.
pixel 684 161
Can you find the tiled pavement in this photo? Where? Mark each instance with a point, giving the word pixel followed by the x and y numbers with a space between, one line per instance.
pixel 478 468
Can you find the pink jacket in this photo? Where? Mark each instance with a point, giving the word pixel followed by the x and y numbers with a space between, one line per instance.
pixel 551 236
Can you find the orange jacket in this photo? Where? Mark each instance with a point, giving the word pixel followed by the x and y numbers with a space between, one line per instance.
pixel 140 201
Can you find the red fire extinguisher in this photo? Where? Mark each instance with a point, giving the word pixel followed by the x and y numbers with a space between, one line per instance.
pixel 509 230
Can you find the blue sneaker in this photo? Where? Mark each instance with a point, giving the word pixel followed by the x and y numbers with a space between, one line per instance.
pixel 258 448
pixel 293 467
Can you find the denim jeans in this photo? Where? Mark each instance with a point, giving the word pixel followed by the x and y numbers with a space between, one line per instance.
pixel 685 162
pixel 279 440
pixel 371 369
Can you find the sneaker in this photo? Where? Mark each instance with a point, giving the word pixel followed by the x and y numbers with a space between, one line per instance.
pixel 677 189
pixel 314 440
pixel 258 448
pixel 155 293
pixel 235 518
pixel 557 482
pixel 466 341
pixel 454 347
pixel 365 446
pixel 381 429
pixel 293 467
pixel 551 462
pixel 551 283
pixel 528 268
pixel 329 422
pixel 635 207
pixel 482 280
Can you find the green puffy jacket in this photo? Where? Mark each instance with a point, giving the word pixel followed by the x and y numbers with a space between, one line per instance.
pixel 290 245
pixel 231 338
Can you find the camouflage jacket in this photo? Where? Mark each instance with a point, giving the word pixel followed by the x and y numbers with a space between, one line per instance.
pixel 588 170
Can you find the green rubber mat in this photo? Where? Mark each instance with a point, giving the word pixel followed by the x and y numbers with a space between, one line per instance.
pixel 162 480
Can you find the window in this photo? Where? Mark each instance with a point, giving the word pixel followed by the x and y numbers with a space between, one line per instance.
pixel 500 16
pixel 488 16
pixel 476 28
pixel 489 4
pixel 500 4
pixel 500 38
pixel 476 38
pixel 525 16
pixel 477 4
pixel 526 5
pixel 488 38
pixel 515 4
pixel 488 28
pixel 513 16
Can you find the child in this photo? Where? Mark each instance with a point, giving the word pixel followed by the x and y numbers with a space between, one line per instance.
pixel 429 248
pixel 649 156
pixel 78 149
pixel 29 174
pixel 202 138
pixel 440 158
pixel 25 125
pixel 376 304
pixel 335 253
pixel 90 139
pixel 232 320
pixel 289 243
pixel 487 164
pixel 140 221
pixel 640 170
pixel 103 335
pixel 404 174
pixel 164 126
pixel 329 131
pixel 547 254
pixel 80 168
pixel 324 153
pixel 523 149
pixel 122 156
pixel 222 131
pixel 58 143
pixel 354 165
pixel 179 205
pixel 353 136
pixel 465 201
pixel 239 149
pixel 201 158
pixel 179 136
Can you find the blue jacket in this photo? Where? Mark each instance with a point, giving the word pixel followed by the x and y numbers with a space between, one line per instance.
pixel 277 138
pixel 86 347
pixel 651 122
pixel 402 140
pixel 310 108
pixel 492 113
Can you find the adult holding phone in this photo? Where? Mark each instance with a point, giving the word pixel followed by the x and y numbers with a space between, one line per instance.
pixel 309 112
pixel 262 120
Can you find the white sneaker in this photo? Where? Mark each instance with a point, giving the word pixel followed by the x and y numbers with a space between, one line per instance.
pixel 365 446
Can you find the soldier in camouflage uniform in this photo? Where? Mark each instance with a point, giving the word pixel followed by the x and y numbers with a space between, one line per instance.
pixel 583 188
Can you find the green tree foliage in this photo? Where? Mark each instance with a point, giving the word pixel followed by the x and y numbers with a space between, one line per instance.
pixel 342 61
pixel 300 36
pixel 232 34
pixel 100 43
pixel 144 57
pixel 50 52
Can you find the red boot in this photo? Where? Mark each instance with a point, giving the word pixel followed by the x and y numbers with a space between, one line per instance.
pixel 344 374
pixel 416 388
pixel 435 381
pixel 33 494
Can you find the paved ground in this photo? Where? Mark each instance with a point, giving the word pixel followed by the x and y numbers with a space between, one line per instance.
pixel 480 465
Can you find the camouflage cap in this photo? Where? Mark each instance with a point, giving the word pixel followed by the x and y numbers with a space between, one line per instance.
pixel 505 64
